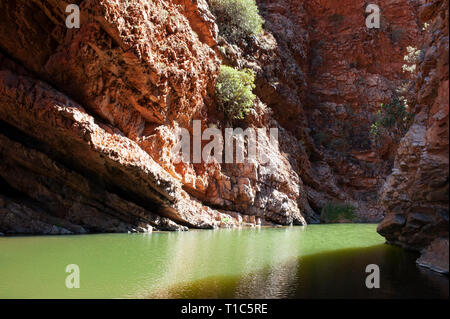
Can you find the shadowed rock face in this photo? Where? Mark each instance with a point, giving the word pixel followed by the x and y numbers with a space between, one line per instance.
pixel 88 117
pixel 352 70
pixel 415 195
pixel 327 86
pixel 435 256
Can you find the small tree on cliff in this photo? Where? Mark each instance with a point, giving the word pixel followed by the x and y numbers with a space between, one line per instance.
pixel 393 118
pixel 237 19
pixel 234 92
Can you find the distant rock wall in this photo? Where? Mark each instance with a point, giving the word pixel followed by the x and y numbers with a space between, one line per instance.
pixel 352 70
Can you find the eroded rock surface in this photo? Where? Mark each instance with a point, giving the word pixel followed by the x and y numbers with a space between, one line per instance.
pixel 103 102
pixel 416 193
pixel 134 68
pixel 352 70
pixel 435 256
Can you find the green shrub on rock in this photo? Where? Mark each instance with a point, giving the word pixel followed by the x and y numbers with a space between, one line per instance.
pixel 391 116
pixel 237 19
pixel 234 92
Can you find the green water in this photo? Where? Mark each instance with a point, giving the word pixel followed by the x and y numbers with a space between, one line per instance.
pixel 316 261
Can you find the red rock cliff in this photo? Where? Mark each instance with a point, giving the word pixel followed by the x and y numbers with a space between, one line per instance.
pixel 416 193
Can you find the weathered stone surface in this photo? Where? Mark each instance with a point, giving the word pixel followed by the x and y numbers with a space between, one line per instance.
pixel 435 256
pixel 138 68
pixel 56 125
pixel 36 185
pixel 136 64
pixel 415 195
pixel 352 70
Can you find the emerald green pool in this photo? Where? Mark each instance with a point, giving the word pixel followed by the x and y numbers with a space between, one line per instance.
pixel 317 261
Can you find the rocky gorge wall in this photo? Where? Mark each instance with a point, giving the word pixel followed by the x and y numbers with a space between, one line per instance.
pixel 88 116
pixel 102 103
pixel 415 195
pixel 353 70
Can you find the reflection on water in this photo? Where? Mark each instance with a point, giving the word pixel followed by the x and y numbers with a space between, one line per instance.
pixel 227 252
pixel 318 261
pixel 338 274
pixel 278 277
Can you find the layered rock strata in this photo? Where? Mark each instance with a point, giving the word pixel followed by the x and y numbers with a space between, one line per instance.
pixel 416 194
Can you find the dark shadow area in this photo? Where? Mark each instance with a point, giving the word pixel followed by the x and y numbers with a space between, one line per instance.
pixel 337 274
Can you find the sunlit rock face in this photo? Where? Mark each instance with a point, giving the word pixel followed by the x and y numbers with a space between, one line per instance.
pixel 416 193
pixel 102 104
pixel 88 102
pixel 89 116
